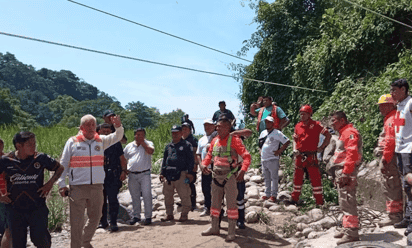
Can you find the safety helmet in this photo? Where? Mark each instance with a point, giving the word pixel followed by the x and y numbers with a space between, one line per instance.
pixel 387 98
pixel 306 108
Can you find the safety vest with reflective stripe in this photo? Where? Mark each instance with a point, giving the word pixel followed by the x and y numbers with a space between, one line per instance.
pixel 223 155
pixel 273 114
pixel 86 163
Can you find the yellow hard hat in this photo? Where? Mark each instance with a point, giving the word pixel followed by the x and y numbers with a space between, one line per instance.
pixel 387 98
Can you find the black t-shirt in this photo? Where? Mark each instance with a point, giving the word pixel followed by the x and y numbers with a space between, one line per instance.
pixel 193 141
pixel 25 177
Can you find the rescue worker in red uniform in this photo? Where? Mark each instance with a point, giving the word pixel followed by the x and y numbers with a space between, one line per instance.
pixel 392 186
pixel 347 158
pixel 305 147
pixel 224 149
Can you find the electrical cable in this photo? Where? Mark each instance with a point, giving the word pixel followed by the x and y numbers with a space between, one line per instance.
pixel 148 61
pixel 174 36
pixel 379 14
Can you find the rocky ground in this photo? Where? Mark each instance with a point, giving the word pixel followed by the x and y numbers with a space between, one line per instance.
pixel 268 224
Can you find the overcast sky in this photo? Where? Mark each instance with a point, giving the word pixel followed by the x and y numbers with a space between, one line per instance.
pixel 221 24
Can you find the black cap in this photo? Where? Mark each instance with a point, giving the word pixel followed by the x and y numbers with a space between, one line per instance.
pixel 108 113
pixel 223 117
pixel 176 128
pixel 186 124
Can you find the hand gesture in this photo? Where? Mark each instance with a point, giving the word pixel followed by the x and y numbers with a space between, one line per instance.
pixel 64 191
pixel 45 190
pixel 5 198
pixel 116 121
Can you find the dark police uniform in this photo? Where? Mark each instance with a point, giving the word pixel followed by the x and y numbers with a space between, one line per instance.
pixel 112 182
pixel 194 142
pixel 27 209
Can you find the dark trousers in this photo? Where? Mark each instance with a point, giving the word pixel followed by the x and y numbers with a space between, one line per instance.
pixel 193 189
pixel 110 191
pixel 36 219
pixel 207 189
pixel 405 167
pixel 241 189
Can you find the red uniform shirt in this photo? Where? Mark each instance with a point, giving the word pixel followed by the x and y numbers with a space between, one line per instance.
pixel 348 148
pixel 388 141
pixel 236 144
pixel 306 137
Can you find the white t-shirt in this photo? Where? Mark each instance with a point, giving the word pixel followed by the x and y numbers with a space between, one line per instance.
pixel 201 145
pixel 403 126
pixel 138 158
pixel 271 144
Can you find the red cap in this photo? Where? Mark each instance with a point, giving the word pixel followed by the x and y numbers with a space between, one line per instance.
pixel 306 108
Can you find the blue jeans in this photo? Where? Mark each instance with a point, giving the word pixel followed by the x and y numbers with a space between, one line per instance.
pixel 141 184
pixel 270 171
pixel 405 167
pixel 36 219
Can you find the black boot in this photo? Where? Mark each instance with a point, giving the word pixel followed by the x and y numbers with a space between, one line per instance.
pixel 241 220
pixel 403 224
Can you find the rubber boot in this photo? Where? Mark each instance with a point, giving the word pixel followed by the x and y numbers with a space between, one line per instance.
pixel 241 220
pixel 350 235
pixel 231 230
pixel 403 223
pixel 392 219
pixel 213 229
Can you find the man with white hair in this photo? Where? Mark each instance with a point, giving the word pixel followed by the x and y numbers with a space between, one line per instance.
pixel 83 159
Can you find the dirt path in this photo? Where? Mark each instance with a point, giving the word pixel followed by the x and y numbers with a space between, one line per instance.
pixel 182 235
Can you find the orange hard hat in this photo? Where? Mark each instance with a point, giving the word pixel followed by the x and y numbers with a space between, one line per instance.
pixel 306 108
pixel 387 98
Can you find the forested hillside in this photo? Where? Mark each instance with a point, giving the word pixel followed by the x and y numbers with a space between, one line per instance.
pixel 30 97
pixel 330 45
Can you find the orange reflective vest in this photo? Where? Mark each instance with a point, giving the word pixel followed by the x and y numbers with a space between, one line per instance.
pixel 273 114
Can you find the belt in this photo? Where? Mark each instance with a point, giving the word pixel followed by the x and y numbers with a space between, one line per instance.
pixel 138 172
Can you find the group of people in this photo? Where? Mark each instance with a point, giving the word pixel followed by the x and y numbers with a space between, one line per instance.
pixel 94 164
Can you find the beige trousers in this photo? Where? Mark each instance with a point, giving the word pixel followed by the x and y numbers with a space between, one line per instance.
pixel 90 197
pixel 183 190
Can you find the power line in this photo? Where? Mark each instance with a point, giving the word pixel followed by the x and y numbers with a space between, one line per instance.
pixel 157 30
pixel 148 61
pixel 379 14
pixel 284 85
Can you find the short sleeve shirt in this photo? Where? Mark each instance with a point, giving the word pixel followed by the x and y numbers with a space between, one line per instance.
pixel 138 158
pixel 279 112
pixel 272 143
pixel 193 141
pixel 25 177
pixel 201 149
pixel 307 136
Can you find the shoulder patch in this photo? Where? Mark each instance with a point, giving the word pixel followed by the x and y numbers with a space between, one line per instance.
pixel 37 165
pixel 181 148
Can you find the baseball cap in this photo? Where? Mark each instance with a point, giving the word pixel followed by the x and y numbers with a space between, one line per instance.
pixel 186 124
pixel 108 113
pixel 270 118
pixel 208 121
pixel 176 128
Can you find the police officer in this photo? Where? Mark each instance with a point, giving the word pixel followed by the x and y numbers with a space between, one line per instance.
pixel 188 136
pixel 178 159
pixel 115 172
pixel 224 149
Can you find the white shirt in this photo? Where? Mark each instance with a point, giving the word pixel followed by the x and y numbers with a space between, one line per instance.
pixel 138 158
pixel 201 146
pixel 271 144
pixel 403 126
